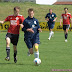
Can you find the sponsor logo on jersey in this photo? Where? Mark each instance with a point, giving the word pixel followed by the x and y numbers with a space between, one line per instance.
pixel 17 18
pixel 65 17
pixel 34 22
pixel 33 26
pixel 13 22
pixel 11 18
pixel 52 15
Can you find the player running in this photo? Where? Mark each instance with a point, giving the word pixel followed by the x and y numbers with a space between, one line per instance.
pixel 66 22
pixel 31 33
pixel 51 18
pixel 12 35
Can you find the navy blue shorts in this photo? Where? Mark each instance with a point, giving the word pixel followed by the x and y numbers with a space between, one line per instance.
pixel 51 26
pixel 30 42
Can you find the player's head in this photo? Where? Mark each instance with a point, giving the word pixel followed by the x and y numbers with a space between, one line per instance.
pixel 16 10
pixel 31 12
pixel 66 9
pixel 50 10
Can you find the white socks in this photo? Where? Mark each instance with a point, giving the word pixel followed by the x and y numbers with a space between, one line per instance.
pixel 50 34
pixel 36 54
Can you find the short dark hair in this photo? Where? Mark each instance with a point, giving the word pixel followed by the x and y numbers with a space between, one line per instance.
pixel 30 9
pixel 16 8
pixel 65 8
pixel 50 9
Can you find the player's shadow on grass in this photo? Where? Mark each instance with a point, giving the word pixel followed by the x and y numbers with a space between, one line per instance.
pixel 11 64
pixel 20 64
pixel 24 64
pixel 6 63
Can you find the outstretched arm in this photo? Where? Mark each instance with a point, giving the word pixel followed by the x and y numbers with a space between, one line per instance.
pixel 55 19
pixel 61 22
pixel 71 22
pixel 7 19
pixel 46 19
pixel 21 25
pixel 40 29
pixel 2 22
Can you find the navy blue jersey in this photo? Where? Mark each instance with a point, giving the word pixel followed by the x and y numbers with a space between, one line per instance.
pixel 51 17
pixel 31 23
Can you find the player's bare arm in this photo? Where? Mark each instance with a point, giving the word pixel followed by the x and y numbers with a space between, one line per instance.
pixel 46 19
pixel 30 30
pixel 71 22
pixel 55 19
pixel 40 29
pixel 61 22
pixel 2 22
pixel 21 25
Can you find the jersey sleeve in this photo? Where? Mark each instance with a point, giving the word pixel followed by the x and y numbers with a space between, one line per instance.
pixel 38 24
pixel 55 15
pixel 25 27
pixel 22 19
pixel 46 16
pixel 70 16
pixel 7 19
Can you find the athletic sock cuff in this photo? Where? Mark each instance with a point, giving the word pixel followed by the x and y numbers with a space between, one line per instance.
pixel 7 47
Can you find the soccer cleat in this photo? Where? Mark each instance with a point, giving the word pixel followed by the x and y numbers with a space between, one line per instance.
pixel 28 54
pixel 15 59
pixel 48 38
pixel 7 58
pixel 65 40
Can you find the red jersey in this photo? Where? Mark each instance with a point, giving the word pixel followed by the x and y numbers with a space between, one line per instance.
pixel 66 18
pixel 15 22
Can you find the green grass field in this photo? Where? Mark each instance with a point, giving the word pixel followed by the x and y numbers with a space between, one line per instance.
pixel 40 10
pixel 55 54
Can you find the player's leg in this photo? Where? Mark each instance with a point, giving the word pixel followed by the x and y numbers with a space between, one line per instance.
pixel 29 45
pixel 36 43
pixel 14 41
pixel 66 34
pixel 8 47
pixel 50 34
pixel 36 51
pixel 15 53
pixel 31 50
pixel 66 28
pixel 51 31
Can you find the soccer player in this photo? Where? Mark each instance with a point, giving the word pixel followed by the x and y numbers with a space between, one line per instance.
pixel 51 18
pixel 12 35
pixel 66 22
pixel 31 33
